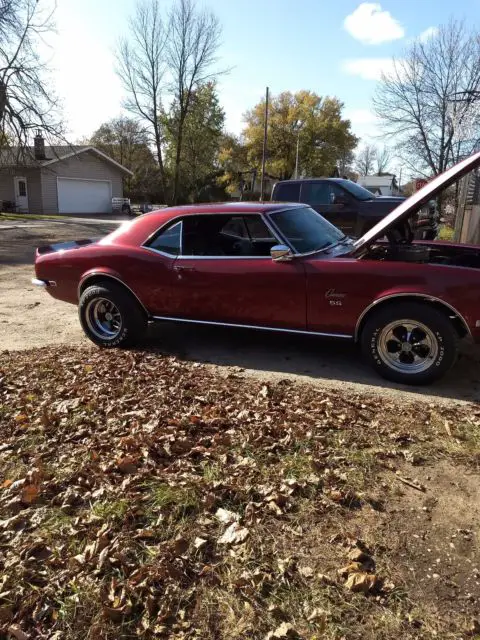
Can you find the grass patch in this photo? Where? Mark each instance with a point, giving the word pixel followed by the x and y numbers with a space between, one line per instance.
pixel 29 216
pixel 111 509
pixel 103 551
pixel 212 471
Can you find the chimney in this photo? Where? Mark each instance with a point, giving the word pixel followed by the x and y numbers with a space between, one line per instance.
pixel 39 146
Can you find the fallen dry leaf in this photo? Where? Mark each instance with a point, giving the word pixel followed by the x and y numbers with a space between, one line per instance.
pixel 198 543
pixel 180 546
pixel 16 631
pixel 285 630
pixel 353 567
pixel 234 534
pixel 127 464
pixel 225 516
pixel 361 582
pixel 306 572
pixel 29 494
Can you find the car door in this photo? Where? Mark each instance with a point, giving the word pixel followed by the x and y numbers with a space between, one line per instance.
pixel 158 288
pixel 332 202
pixel 225 274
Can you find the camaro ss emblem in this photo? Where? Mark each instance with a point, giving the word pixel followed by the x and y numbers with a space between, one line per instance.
pixel 335 298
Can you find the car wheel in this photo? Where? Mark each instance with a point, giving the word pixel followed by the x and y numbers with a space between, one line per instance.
pixel 110 316
pixel 410 343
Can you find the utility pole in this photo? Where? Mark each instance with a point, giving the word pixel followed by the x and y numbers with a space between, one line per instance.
pixel 264 154
pixel 296 155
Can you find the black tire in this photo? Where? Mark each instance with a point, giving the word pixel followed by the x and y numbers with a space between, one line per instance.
pixel 433 348
pixel 125 312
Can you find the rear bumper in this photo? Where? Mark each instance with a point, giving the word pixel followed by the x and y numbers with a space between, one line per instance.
pixel 43 283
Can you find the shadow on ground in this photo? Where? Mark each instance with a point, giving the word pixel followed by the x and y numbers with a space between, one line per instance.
pixel 335 362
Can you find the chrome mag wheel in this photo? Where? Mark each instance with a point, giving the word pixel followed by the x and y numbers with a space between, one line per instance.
pixel 407 346
pixel 103 318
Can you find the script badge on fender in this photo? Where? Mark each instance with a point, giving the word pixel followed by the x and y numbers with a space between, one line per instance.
pixel 335 299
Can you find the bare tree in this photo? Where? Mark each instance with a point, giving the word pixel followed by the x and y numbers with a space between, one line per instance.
pixel 193 41
pixel 364 162
pixel 383 157
pixel 27 103
pixel 141 67
pixel 418 105
pixel 9 22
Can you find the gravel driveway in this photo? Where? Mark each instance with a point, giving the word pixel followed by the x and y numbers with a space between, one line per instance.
pixel 31 318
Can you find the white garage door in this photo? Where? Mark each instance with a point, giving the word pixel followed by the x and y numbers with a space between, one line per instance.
pixel 84 196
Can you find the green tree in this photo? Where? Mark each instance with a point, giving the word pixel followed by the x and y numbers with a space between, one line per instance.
pixel 233 162
pixel 202 134
pixel 127 142
pixel 324 137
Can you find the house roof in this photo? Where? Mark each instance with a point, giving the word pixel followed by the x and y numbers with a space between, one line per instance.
pixel 376 181
pixel 26 157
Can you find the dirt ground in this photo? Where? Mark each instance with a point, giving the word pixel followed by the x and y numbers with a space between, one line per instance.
pixel 31 318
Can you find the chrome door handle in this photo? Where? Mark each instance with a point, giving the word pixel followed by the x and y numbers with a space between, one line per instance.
pixel 181 267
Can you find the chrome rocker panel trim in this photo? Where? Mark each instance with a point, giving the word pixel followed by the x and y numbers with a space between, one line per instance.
pixel 251 326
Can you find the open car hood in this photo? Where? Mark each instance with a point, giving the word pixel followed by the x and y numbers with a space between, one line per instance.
pixel 415 202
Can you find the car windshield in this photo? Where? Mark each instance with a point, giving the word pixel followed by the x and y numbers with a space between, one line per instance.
pixel 305 229
pixel 356 190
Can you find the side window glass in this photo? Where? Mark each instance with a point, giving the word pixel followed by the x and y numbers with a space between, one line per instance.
pixel 235 227
pixel 337 191
pixel 169 241
pixel 317 193
pixel 257 229
pixel 229 236
pixel 288 192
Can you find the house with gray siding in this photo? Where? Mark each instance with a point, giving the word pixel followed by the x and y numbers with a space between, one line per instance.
pixel 60 179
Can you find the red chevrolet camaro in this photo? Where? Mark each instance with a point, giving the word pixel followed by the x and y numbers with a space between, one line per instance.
pixel 279 267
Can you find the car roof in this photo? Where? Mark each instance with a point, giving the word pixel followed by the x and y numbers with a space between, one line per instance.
pixel 314 180
pixel 225 207
pixel 135 232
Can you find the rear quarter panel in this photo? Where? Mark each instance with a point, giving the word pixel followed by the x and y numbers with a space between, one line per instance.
pixel 141 270
pixel 355 284
pixel 118 254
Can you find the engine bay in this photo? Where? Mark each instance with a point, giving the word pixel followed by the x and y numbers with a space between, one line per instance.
pixel 399 246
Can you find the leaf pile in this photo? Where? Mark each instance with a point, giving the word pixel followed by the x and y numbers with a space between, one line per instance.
pixel 143 496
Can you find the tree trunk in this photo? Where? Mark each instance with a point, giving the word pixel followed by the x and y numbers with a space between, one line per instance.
pixel 3 100
pixel 158 144
pixel 178 156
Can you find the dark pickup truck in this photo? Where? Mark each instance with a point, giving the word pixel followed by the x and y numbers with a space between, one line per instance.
pixel 351 207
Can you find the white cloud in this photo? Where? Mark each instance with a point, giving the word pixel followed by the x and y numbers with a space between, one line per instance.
pixel 361 116
pixel 428 33
pixel 364 122
pixel 369 24
pixel 368 68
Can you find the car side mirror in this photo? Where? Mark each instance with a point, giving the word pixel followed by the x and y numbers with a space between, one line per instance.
pixel 281 253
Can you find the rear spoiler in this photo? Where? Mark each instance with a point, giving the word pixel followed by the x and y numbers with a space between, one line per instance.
pixel 64 246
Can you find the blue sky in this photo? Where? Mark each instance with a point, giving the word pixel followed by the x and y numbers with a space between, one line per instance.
pixel 335 47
